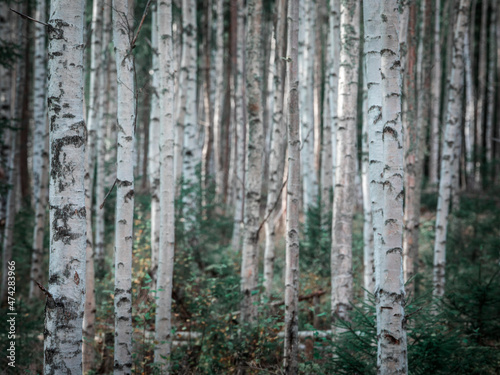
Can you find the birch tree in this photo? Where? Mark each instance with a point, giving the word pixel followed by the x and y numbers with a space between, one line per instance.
pixel 455 88
pixel 240 128
pixel 278 145
pixel 167 185
pixel 66 291
pixel 40 149
pixel 125 189
pixel 253 170
pixel 291 352
pixel 386 181
pixel 345 171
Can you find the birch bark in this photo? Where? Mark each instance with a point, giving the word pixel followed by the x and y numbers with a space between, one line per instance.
pixel 386 192
pixel 40 149
pixel 124 218
pixel 278 145
pixel 65 303
pixel 345 195
pixel 167 184
pixel 291 349
pixel 455 88
pixel 240 129
pixel 254 150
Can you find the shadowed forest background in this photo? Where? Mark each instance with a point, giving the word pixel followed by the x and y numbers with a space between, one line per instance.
pixel 230 148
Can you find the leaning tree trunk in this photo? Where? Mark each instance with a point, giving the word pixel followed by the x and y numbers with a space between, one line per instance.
pixel 167 185
pixel 66 292
pixel 278 145
pixel 291 352
pixel 125 189
pixel 454 112
pixel 240 129
pixel 345 196
pixel 253 178
pixel 386 190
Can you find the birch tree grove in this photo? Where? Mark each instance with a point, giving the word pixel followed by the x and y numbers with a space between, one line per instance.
pixel 452 127
pixel 253 174
pixel 344 197
pixel 293 197
pixel 167 184
pixel 125 189
pixel 66 292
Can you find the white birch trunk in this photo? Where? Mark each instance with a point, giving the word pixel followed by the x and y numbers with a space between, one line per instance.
pixel 124 189
pixel 345 194
pixel 386 192
pixel 40 149
pixel 436 98
pixel 240 129
pixel 306 73
pixel 154 149
pixel 333 75
pixel 191 154
pixel 278 145
pixel 39 101
pixel 65 303
pixel 219 97
pixel 490 113
pixel 291 350
pixel 481 93
pixel 167 185
pixel 454 112
pixel 253 178
pixel 469 113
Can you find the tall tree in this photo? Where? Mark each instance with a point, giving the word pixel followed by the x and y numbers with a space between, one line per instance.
pixel 66 292
pixel 239 128
pixel 345 171
pixel 253 174
pixel 454 113
pixel 278 145
pixel 124 217
pixel 490 89
pixel 386 184
pixel 291 352
pixel 167 184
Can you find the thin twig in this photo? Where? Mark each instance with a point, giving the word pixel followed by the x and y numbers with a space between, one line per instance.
pixel 132 45
pixel 274 206
pixel 31 19
pixel 107 195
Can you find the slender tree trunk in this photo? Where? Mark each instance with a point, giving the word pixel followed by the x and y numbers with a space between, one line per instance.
pixel 254 150
pixel 386 184
pixel 449 141
pixel 469 113
pixel 344 197
pixel 481 93
pixel 240 129
pixel 154 147
pixel 306 72
pixel 278 145
pixel 124 189
pixel 167 185
pixel 333 76
pixel 40 149
pixel 66 291
pixel 291 352
pixel 436 98
pixel 191 155
pixel 490 113
pixel 219 96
